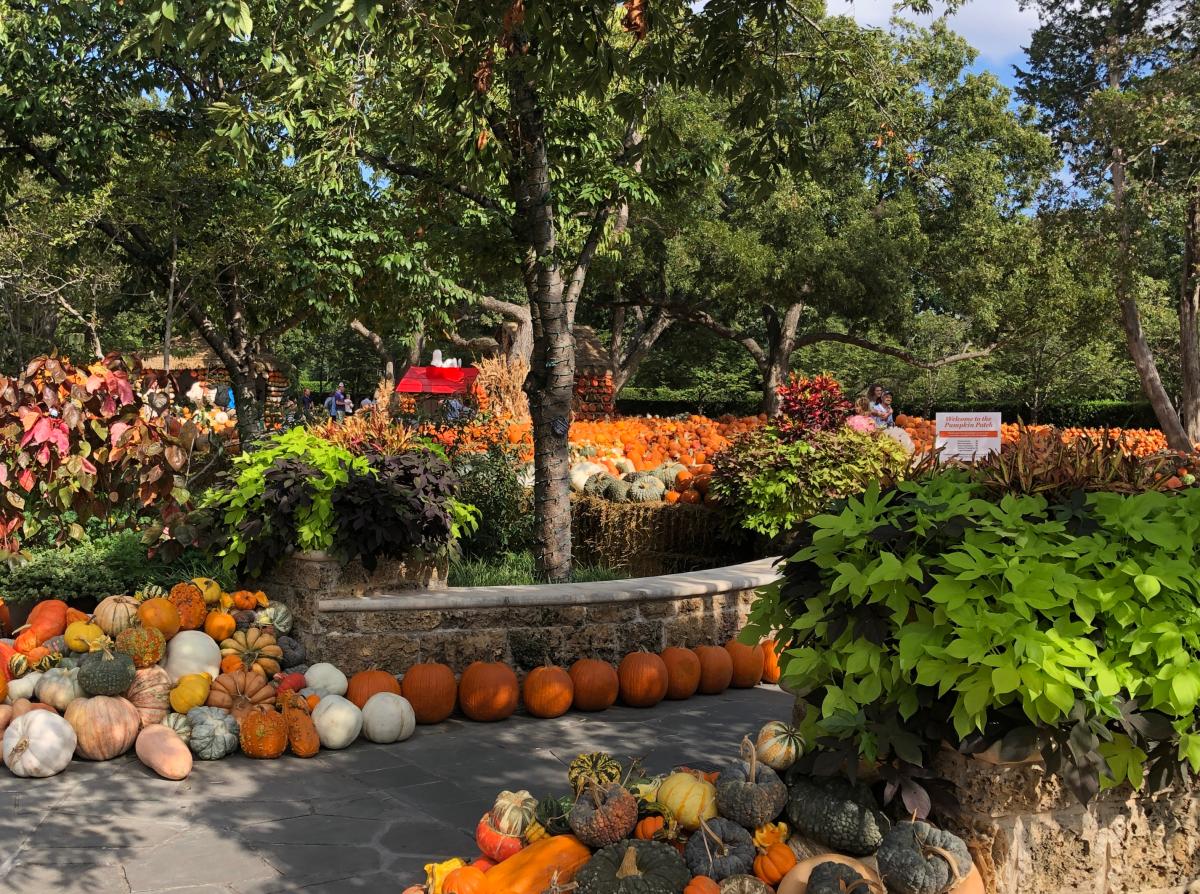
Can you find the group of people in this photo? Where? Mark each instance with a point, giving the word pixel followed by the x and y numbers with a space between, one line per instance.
pixel 873 410
pixel 338 405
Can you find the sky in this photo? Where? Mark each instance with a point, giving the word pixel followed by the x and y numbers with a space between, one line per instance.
pixel 998 29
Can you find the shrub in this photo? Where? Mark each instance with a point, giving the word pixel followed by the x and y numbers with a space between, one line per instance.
pixel 489 482
pixel 369 432
pixel 94 569
pixel 811 404
pixel 772 485
pixel 936 611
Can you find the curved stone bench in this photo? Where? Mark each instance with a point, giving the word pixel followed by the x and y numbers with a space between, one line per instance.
pixel 522 625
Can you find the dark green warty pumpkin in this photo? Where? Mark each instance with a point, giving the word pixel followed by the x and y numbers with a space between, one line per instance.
pixel 832 812
pixel 750 793
pixel 106 673
pixel 916 858
pixel 720 848
pixel 634 867
pixel 836 878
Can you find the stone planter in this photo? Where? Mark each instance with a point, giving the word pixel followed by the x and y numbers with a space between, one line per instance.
pixel 1030 836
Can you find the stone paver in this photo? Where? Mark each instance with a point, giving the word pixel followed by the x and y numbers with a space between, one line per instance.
pixel 364 819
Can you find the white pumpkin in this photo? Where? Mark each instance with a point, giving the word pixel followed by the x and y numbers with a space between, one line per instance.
pixel 581 472
pixel 387 718
pixel 338 721
pixel 38 744
pixel 23 687
pixel 325 679
pixel 192 652
pixel 58 687
pixel 624 465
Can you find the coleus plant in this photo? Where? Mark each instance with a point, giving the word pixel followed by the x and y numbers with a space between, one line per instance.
pixel 809 404
pixel 942 611
pixel 77 440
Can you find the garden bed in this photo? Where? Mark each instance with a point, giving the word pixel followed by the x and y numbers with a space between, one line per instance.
pixel 520 625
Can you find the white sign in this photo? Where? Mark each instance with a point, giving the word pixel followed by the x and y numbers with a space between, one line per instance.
pixel 968 436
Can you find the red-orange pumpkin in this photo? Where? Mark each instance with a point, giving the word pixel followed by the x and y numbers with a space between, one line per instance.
pixel 683 672
pixel 596 684
pixel 367 683
pixel 747 664
pixel 771 671
pixel 160 613
pixel 431 690
pixel 702 884
pixel 189 602
pixel 716 669
pixel 642 678
pixel 488 691
pixel 48 619
pixel 263 732
pixel 548 691
pixel 466 880
pixel 772 865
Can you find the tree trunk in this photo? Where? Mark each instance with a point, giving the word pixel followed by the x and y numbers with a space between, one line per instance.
pixel 251 426
pixel 781 342
pixel 1189 321
pixel 377 344
pixel 551 380
pixel 623 362
pixel 1131 318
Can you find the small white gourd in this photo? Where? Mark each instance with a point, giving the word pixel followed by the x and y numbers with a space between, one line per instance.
pixel 387 718
pixel 23 687
pixel 58 687
pixel 338 721
pixel 38 744
pixel 325 679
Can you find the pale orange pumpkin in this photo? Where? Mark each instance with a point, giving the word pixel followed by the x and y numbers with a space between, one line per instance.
pixel 105 726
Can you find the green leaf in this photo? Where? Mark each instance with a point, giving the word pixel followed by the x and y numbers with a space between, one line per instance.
pixel 1005 679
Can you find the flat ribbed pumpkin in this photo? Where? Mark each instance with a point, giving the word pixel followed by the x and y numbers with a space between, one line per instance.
pixel 366 683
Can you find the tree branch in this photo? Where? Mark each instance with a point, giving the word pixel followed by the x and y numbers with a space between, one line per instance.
pixel 908 357
pixel 401 169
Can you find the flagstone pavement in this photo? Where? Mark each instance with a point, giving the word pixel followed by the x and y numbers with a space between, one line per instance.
pixel 364 819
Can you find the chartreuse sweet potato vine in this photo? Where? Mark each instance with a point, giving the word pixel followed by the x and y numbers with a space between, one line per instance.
pixel 930 612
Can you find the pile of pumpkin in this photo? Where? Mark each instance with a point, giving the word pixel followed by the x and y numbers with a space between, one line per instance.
pixel 756 826
pixel 1139 442
pixel 197 673
pixel 194 673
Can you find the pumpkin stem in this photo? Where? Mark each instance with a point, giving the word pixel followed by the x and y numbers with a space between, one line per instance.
pixel 748 746
pixel 629 867
pixel 594 790
pixel 955 875
pixel 722 850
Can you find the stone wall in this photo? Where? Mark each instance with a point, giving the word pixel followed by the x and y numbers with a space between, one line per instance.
pixel 1030 835
pixel 523 626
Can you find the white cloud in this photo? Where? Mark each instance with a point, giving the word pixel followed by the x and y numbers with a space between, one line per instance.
pixel 999 29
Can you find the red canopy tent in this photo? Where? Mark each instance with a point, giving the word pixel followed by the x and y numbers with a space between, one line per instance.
pixel 437 380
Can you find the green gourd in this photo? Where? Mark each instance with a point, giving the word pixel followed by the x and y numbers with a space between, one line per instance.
pixel 917 858
pixel 831 811
pixel 719 849
pixel 106 673
pixel 552 813
pixel 214 733
pixel 598 484
pixel 179 723
pixel 634 867
pixel 646 490
pixel 748 792
pixel 276 615
pixel 593 766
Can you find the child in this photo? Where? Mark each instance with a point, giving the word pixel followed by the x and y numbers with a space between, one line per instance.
pixel 862 421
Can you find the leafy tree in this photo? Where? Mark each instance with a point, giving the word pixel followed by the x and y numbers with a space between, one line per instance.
pixel 1117 83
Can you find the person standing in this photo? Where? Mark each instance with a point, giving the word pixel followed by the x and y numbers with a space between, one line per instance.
pixel 306 401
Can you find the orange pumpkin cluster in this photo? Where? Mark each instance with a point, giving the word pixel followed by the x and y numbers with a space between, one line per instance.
pixel 1137 442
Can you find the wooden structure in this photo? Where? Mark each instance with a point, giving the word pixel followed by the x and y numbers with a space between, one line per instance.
pixel 593 376
pixel 196 362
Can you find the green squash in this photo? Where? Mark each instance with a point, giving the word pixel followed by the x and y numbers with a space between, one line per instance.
pixel 214 733
pixel 719 849
pixel 179 723
pixel 552 813
pixel 596 767
pixel 833 812
pixel 836 878
pixel 106 673
pixel 917 858
pixel 750 793
pixel 634 867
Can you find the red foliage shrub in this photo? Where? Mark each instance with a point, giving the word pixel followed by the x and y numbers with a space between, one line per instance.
pixel 809 404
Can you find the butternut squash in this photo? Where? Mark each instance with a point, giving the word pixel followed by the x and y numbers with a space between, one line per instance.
pixel 530 870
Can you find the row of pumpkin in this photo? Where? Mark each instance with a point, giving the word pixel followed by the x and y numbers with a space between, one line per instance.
pixel 198 673
pixel 756 826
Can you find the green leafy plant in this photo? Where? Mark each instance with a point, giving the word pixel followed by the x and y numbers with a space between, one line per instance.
pixel 489 482
pixel 936 610
pixel 773 485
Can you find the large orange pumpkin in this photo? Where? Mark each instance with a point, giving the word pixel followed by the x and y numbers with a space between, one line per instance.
pixel 683 672
pixel 161 614
pixel 488 691
pixel 263 732
pixel 431 690
pixel 531 869
pixel 770 650
pixel 642 678
pixel 48 619
pixel 189 602
pixel 747 664
pixel 596 684
pixel 220 625
pixel 548 691
pixel 716 669
pixel 467 880
pixel 366 683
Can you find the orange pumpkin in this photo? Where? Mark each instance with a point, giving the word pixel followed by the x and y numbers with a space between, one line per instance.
pixel 683 672
pixel 488 691
pixel 367 683
pixel 26 641
pixel 220 625
pixel 716 669
pixel 596 684
pixel 264 732
pixel 702 884
pixel 431 690
pixel 642 679
pixel 548 691
pixel 73 615
pixel 302 737
pixel 646 828
pixel 772 865
pixel 239 691
pixel 531 869
pixel 747 664
pixel 161 614
pixel 244 600
pixel 771 671
pixel 5 619
pixel 231 663
pixel 189 602
pixel 48 619
pixel 466 880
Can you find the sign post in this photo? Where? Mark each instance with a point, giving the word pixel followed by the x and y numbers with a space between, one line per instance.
pixel 968 436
